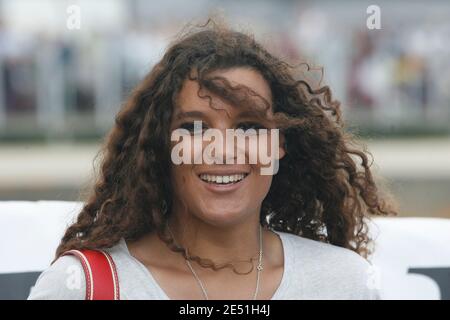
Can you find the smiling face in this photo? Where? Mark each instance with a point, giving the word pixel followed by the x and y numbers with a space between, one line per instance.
pixel 220 194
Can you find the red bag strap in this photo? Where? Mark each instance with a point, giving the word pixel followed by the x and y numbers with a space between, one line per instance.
pixel 102 282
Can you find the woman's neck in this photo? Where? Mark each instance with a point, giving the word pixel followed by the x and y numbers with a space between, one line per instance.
pixel 217 243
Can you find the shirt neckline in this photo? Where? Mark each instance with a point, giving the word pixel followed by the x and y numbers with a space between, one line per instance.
pixel 279 292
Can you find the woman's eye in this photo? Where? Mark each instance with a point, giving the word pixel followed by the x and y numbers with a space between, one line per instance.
pixel 189 126
pixel 250 125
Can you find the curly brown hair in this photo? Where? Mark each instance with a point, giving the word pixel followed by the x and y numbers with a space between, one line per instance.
pixel 324 189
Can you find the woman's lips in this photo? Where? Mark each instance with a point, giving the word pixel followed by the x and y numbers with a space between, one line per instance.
pixel 221 187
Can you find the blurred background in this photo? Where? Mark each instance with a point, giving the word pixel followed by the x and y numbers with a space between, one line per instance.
pixel 61 83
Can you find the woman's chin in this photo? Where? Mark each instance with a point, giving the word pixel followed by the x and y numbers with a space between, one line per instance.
pixel 222 218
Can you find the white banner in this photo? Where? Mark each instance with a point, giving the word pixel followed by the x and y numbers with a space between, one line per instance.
pixel 411 260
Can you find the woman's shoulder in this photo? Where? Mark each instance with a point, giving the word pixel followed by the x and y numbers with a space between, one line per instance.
pixel 324 251
pixel 63 280
pixel 328 265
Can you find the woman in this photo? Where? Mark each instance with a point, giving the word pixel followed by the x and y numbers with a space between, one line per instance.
pixel 218 230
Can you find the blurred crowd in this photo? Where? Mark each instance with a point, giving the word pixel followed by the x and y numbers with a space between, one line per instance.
pixel 393 76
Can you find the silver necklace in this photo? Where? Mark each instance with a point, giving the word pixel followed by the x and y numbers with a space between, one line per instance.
pixel 259 268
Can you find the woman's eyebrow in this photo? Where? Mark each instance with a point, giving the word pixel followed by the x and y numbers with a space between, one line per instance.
pixel 190 114
pixel 246 114
pixel 250 114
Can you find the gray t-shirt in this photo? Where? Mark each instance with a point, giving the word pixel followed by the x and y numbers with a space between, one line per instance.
pixel 312 270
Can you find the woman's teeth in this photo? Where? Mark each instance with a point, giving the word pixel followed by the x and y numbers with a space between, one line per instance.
pixel 222 179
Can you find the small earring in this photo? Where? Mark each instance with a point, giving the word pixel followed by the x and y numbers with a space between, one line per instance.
pixel 164 207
